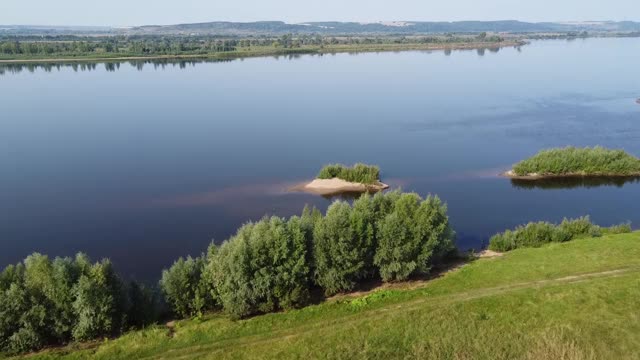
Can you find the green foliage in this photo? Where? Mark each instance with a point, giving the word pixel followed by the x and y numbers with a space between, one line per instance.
pixel 264 267
pixel 412 236
pixel 143 307
pixel 44 302
pixel 99 303
pixel 463 314
pixel 185 289
pixel 367 300
pixel 359 173
pixel 535 234
pixel 48 47
pixel 579 161
pixel 616 229
pixel 340 256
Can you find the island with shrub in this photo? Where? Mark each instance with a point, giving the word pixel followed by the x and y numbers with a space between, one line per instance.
pixel 576 162
pixel 337 178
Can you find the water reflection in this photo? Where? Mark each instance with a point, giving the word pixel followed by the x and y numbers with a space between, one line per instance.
pixel 574 182
pixel 109 66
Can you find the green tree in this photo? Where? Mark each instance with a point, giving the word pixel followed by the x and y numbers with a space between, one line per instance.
pixel 412 237
pixel 264 267
pixel 340 255
pixel 99 303
pixel 184 287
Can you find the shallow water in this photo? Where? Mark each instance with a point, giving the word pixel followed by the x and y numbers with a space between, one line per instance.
pixel 143 162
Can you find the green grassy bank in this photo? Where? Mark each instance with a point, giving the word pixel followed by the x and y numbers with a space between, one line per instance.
pixel 573 300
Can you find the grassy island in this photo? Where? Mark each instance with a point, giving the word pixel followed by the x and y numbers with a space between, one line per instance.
pixel 358 173
pixel 574 161
pixel 338 179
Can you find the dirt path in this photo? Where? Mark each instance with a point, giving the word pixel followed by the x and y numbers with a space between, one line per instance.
pixel 442 300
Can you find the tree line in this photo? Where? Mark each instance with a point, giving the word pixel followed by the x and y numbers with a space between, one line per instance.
pixel 277 263
pixel 48 302
pixel 200 45
pixel 268 265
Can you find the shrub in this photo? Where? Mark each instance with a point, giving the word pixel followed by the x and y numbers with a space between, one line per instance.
pixel 340 256
pixel 99 303
pixel 44 302
pixel 185 288
pixel 360 173
pixel 23 340
pixel 536 234
pixel 580 227
pixel 264 267
pixel 411 237
pixel 616 229
pixel 579 161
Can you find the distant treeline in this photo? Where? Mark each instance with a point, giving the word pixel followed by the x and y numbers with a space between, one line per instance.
pixel 200 45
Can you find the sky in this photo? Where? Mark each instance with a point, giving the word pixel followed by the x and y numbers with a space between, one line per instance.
pixel 147 12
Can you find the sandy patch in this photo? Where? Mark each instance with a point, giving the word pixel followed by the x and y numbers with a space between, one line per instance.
pixel 337 186
pixel 489 254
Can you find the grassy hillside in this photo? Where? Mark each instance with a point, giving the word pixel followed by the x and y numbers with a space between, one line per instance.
pixel 575 300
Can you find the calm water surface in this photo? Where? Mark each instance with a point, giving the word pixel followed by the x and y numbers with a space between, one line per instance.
pixel 143 162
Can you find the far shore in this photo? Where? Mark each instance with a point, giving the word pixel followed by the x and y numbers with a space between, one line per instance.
pixel 534 176
pixel 337 186
pixel 278 52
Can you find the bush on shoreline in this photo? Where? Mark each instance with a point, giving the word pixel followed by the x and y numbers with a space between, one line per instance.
pixel 536 234
pixel 276 263
pixel 263 268
pixel 579 161
pixel 45 302
pixel 359 173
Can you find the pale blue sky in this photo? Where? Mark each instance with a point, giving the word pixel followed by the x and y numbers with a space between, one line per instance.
pixel 140 12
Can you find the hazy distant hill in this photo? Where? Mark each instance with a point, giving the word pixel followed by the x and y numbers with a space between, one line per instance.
pixel 397 27
pixel 347 28
pixel 53 30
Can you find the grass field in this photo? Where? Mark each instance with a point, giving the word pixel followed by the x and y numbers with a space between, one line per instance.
pixel 575 300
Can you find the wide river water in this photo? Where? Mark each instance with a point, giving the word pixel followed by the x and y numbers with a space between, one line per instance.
pixel 145 162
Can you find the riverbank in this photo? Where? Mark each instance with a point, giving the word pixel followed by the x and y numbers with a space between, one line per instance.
pixel 565 300
pixel 273 51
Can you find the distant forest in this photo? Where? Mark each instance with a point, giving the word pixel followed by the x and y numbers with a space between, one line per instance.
pixel 73 46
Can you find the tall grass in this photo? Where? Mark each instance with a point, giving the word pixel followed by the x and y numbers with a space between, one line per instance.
pixel 535 234
pixel 579 161
pixel 360 173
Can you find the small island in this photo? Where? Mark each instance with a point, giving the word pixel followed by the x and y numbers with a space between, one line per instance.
pixel 576 162
pixel 337 179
